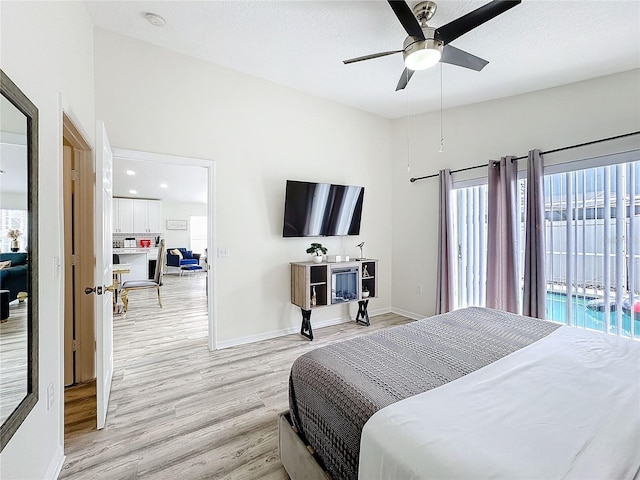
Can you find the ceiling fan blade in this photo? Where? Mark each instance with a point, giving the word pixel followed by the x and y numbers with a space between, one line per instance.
pixel 452 30
pixel 455 56
pixel 404 79
pixel 407 18
pixel 369 57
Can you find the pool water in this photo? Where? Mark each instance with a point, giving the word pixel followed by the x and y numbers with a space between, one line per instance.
pixel 585 317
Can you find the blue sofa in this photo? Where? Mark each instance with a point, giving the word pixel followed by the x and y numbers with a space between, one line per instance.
pixel 14 278
pixel 188 258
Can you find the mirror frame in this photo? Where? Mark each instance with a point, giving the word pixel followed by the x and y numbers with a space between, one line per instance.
pixel 11 92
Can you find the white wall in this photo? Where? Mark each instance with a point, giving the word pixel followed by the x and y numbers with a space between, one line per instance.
pixel 47 48
pixel 13 201
pixel 260 134
pixel 474 134
pixel 180 211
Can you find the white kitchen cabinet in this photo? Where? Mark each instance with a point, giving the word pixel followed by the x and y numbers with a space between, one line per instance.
pixel 140 216
pixel 122 215
pixel 146 216
pixel 154 212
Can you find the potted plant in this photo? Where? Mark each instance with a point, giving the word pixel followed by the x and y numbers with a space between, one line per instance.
pixel 317 250
pixel 365 292
pixel 14 235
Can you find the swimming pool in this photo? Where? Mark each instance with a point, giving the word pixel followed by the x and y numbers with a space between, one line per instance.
pixel 585 317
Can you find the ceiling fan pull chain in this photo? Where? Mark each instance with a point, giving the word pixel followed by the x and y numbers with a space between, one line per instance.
pixel 441 127
pixel 406 71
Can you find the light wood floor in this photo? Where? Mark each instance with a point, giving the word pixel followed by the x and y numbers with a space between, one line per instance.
pixel 13 358
pixel 179 411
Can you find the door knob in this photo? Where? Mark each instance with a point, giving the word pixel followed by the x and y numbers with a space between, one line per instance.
pixel 99 289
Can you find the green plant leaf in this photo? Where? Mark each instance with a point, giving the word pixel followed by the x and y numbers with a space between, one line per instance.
pixel 315 248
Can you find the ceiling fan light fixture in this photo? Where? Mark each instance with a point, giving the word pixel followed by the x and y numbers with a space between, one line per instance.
pixel 422 54
pixel 422 59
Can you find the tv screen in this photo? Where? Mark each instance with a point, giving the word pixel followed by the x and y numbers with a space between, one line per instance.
pixel 321 209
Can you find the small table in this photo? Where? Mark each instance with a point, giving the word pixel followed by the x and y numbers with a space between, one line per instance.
pixel 118 269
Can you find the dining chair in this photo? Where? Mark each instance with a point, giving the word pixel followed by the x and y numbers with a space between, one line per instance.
pixel 141 284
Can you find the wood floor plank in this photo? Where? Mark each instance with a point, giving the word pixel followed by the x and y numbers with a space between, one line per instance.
pixel 178 410
pixel 13 358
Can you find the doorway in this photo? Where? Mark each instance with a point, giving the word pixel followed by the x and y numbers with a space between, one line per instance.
pixel 176 166
pixel 79 265
pixel 80 221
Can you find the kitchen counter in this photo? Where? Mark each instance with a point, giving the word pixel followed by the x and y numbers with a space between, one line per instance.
pixel 139 259
pixel 151 252
pixel 134 250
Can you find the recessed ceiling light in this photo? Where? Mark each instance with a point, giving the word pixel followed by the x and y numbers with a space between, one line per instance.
pixel 163 185
pixel 133 192
pixel 155 19
pixel 130 172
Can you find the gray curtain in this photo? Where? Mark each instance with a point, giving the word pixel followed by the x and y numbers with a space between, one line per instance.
pixel 445 280
pixel 535 287
pixel 502 237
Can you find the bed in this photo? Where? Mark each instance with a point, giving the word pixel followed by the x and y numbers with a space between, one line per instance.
pixel 379 391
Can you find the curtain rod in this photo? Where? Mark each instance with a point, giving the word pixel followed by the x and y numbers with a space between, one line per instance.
pixel 525 156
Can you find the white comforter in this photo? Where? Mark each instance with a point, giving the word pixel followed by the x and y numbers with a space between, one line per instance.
pixel 567 406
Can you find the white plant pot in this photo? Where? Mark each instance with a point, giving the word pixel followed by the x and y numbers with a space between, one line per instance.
pixel 317 259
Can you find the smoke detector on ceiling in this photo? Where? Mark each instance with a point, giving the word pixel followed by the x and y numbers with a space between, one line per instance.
pixel 154 19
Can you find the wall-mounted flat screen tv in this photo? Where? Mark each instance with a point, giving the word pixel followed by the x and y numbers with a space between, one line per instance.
pixel 321 209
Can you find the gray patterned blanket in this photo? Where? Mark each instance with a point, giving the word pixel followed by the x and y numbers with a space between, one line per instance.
pixel 334 390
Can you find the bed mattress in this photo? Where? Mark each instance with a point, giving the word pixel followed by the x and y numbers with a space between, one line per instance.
pixel 564 407
pixel 334 390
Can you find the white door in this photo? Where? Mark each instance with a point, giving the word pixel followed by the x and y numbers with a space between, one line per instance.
pixel 104 269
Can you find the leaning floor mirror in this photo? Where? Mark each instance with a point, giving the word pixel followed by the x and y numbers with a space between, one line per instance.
pixel 18 258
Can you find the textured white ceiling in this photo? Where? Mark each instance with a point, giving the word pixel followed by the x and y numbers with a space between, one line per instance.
pixel 301 44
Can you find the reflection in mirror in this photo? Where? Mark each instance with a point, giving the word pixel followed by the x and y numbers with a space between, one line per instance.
pixel 18 298
pixel 13 265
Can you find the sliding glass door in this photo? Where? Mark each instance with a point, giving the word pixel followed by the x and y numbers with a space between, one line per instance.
pixel 593 247
pixel 592 236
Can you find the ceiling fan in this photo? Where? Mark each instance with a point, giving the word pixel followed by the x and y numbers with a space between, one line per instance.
pixel 426 46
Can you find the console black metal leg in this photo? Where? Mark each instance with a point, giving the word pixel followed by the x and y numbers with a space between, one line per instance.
pixel 362 312
pixel 306 331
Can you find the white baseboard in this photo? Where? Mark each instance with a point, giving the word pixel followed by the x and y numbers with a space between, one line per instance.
pixel 406 313
pixel 379 311
pixel 293 329
pixel 55 467
pixel 276 333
